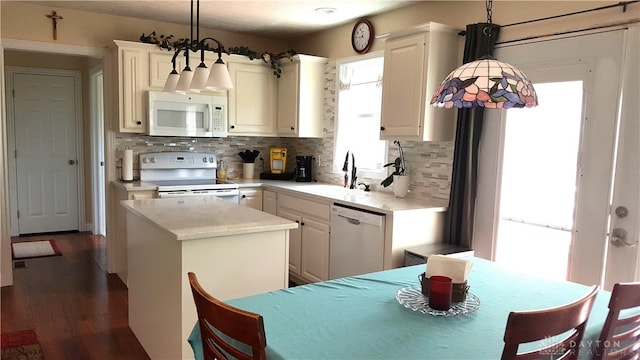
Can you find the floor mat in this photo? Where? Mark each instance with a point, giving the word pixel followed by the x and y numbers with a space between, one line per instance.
pixel 20 345
pixel 34 249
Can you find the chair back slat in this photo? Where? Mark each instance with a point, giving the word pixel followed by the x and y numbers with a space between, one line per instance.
pixel 223 326
pixel 547 324
pixel 620 336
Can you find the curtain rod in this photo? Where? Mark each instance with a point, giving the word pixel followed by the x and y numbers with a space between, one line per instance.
pixel 624 5
pixel 569 32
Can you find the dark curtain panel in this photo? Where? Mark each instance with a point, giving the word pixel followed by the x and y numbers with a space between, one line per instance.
pixel 460 215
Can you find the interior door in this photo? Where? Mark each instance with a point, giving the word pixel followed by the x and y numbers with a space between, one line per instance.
pixel 44 113
pixel 594 61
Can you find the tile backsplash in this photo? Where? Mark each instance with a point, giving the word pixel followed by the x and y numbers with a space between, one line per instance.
pixel 429 163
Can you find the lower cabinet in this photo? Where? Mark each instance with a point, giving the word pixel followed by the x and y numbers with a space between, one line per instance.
pixel 251 198
pixel 119 236
pixel 309 244
pixel 270 202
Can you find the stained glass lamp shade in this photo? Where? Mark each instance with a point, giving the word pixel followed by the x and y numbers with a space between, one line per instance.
pixel 487 83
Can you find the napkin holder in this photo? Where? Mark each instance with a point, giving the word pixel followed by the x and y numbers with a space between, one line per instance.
pixel 459 292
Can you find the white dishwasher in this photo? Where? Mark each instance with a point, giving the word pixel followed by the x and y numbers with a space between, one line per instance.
pixel 357 241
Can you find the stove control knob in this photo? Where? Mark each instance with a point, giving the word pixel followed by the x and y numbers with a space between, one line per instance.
pixel 204 159
pixel 152 159
pixel 144 160
pixel 211 160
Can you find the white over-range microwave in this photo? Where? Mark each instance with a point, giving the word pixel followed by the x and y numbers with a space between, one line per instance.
pixel 192 115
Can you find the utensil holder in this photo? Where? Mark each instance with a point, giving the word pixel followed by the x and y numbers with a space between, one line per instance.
pixel 459 293
pixel 247 170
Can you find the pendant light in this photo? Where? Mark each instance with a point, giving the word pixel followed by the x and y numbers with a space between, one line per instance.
pixel 487 83
pixel 201 78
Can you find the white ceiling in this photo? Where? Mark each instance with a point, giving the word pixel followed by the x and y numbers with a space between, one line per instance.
pixel 277 18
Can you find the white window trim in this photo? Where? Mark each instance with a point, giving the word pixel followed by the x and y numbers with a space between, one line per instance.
pixel 337 162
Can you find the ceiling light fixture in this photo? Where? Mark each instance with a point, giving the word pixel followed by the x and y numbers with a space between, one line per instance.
pixel 326 10
pixel 200 79
pixel 487 83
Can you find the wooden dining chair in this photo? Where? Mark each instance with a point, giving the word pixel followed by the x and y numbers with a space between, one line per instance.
pixel 222 324
pixel 620 337
pixel 546 325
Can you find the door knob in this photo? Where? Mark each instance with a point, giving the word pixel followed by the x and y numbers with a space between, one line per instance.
pixel 619 238
pixel 71 162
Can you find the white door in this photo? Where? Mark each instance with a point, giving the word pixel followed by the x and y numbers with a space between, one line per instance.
pixel 593 63
pixel 623 255
pixel 44 113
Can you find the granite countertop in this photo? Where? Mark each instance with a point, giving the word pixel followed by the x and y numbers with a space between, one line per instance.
pixel 135 185
pixel 375 200
pixel 378 201
pixel 204 217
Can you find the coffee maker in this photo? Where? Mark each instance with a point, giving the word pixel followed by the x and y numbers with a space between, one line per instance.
pixel 303 168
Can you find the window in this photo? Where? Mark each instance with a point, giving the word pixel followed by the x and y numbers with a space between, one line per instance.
pixel 358 117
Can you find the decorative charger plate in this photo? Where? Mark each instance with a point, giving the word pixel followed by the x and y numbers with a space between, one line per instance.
pixel 412 298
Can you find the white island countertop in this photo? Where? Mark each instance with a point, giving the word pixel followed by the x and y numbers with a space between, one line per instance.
pixel 204 217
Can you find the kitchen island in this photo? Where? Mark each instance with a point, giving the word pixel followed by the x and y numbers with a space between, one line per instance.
pixel 235 251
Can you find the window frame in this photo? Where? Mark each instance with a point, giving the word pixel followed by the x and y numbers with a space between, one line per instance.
pixel 338 161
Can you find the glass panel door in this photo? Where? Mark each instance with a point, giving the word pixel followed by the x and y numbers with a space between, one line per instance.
pixel 539 178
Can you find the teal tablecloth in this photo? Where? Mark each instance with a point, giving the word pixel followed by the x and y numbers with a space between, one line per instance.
pixel 359 317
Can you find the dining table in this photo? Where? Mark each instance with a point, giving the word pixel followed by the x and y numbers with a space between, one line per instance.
pixel 382 315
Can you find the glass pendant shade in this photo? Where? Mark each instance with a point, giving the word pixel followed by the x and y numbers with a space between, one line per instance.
pixel 219 78
pixel 200 77
pixel 487 83
pixel 172 81
pixel 185 80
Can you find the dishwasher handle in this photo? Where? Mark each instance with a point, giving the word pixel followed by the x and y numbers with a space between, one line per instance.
pixel 351 220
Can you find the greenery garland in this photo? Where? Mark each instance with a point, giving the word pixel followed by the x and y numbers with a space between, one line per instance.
pixel 167 42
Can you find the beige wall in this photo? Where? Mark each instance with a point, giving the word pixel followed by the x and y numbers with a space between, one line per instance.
pixel 336 43
pixel 28 22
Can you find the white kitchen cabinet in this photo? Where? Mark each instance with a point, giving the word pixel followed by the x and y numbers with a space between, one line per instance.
pixel 295 242
pixel 315 250
pixel 252 101
pixel 309 245
pixel 270 202
pixel 160 66
pixel 301 96
pixel 415 63
pixel 119 236
pixel 132 71
pixel 251 198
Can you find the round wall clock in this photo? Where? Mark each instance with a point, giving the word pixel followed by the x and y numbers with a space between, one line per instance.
pixel 362 36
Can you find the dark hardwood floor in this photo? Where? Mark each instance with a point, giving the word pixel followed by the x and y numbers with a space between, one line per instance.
pixel 77 310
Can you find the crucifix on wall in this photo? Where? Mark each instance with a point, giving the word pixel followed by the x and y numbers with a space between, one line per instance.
pixel 55 17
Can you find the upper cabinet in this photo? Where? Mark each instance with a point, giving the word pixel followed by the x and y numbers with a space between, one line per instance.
pixel 131 73
pixel 415 62
pixel 301 96
pixel 252 102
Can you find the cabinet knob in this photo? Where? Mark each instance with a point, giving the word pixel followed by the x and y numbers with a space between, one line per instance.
pixel 302 223
pixel 297 221
pixel 244 196
pixel 381 128
pixel 292 128
pixel 139 122
pixel 232 126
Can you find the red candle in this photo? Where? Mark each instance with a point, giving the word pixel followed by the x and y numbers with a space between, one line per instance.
pixel 440 290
